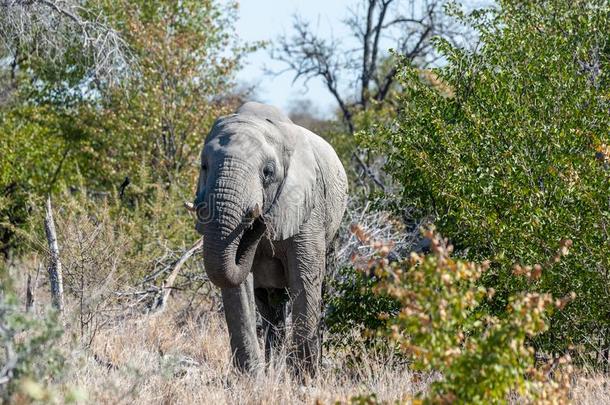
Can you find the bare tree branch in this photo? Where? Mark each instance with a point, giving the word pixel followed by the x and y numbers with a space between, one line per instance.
pixel 168 284
pixel 378 31
pixel 49 28
pixel 376 25
pixel 307 55
pixel 366 50
pixel 401 20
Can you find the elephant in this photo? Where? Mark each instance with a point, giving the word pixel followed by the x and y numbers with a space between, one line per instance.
pixel 270 198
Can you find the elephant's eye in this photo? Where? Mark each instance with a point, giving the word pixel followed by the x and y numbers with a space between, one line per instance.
pixel 268 171
pixel 204 167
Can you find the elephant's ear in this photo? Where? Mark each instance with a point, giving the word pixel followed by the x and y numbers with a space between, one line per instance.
pixel 295 197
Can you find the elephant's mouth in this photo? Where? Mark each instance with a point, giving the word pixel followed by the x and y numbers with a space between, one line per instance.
pixel 249 240
pixel 228 260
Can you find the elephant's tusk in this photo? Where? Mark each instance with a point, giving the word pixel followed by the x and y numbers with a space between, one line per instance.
pixel 189 206
pixel 256 212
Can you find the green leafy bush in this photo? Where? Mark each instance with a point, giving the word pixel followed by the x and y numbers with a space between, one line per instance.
pixel 506 147
pixel 353 310
pixel 28 356
pixel 481 358
pixel 56 135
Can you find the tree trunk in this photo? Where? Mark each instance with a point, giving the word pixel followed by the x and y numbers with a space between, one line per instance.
pixel 55 273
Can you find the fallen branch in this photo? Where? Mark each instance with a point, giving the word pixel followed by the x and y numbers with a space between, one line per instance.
pixel 166 288
pixel 29 295
pixel 105 363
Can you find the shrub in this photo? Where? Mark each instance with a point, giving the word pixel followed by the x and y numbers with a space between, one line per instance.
pixel 29 358
pixel 353 310
pixel 510 154
pixel 117 252
pixel 93 248
pixel 481 358
pixel 62 127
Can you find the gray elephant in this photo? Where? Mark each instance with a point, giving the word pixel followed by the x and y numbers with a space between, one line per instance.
pixel 270 199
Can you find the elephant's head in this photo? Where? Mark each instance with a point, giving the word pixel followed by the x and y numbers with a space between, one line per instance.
pixel 258 175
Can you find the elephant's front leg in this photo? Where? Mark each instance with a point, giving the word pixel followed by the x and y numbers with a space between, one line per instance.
pixel 240 313
pixel 305 279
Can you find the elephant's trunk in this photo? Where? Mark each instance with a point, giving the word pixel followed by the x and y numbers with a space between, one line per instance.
pixel 228 263
pixel 232 233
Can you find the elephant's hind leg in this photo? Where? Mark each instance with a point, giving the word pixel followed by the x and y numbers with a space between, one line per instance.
pixel 271 304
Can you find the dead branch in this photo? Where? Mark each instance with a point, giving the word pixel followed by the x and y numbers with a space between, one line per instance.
pixel 367 170
pixel 376 25
pixel 378 225
pixel 54 269
pixel 359 77
pixel 166 288
pixel 29 296
pixel 104 363
pixel 50 28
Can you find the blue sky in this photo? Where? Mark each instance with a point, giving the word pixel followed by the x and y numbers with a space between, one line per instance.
pixel 265 20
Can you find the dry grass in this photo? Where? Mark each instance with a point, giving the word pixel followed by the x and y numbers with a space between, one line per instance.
pixel 182 357
pixel 166 359
pixel 170 358
pixel 592 390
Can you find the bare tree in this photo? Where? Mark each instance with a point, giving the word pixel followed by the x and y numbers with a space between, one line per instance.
pixel 362 76
pixel 48 29
pixel 376 25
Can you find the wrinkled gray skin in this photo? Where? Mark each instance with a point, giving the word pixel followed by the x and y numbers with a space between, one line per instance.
pixel 270 198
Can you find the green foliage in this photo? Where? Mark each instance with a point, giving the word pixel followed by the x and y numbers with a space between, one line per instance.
pixel 43 151
pixel 507 148
pixel 353 310
pixel 28 354
pixel 481 358
pixel 61 130
pixel 185 82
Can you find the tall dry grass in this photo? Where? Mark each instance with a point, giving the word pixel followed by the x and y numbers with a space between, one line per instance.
pixel 170 358
pixel 165 359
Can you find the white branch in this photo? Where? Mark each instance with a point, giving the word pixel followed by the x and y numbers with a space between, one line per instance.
pixel 55 272
pixel 166 289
